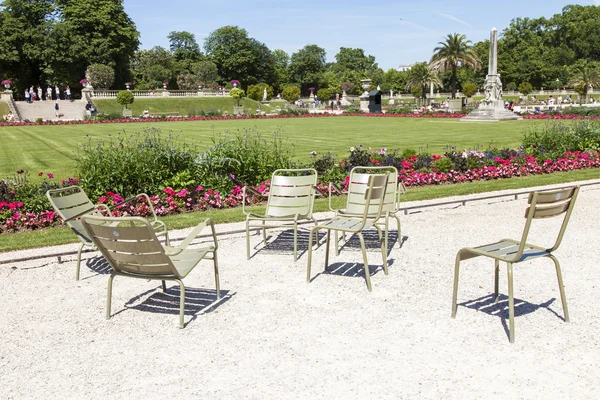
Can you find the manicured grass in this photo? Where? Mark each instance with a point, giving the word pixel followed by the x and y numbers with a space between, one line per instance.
pixel 53 148
pixel 3 108
pixel 55 236
pixel 184 106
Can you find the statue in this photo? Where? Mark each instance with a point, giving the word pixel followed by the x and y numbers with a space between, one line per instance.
pixel 264 94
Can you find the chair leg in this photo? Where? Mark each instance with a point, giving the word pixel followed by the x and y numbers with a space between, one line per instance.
pixel 217 285
pixel 164 286
pixel 561 287
pixel 511 303
pixel 327 240
pixel 364 252
pixel 310 238
pixel 295 241
pixel 455 291
pixel 247 239
pixel 167 240
pixel 496 276
pixel 181 302
pixel 79 261
pixel 337 243
pixel 264 232
pixel 399 231
pixel 387 229
pixel 109 295
pixel 316 233
pixel 383 250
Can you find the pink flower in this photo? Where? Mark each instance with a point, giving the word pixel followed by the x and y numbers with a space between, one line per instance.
pixel 50 176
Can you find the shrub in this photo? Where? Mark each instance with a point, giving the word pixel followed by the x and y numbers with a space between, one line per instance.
pixel 408 153
pixel 443 164
pixel 511 86
pixel 552 140
pixel 293 111
pixel 469 89
pixel 399 110
pixel 237 94
pixel 353 109
pixel 100 75
pixel 132 163
pixel 125 97
pixel 324 94
pixel 256 92
pixel 359 156
pixel 187 82
pixel 525 88
pixel 324 163
pixel 210 112
pixel 291 93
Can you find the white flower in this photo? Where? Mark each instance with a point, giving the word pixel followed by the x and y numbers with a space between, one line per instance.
pixel 352 149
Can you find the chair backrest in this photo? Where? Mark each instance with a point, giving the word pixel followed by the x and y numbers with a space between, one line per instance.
pixel 375 196
pixel 129 244
pixel 359 178
pixel 548 204
pixel 71 203
pixel 292 192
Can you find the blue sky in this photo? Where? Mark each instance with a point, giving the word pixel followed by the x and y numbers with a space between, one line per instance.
pixel 395 32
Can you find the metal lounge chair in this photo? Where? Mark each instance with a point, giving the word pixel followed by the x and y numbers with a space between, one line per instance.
pixel 291 199
pixel 374 195
pixel 355 202
pixel 71 203
pixel 131 247
pixel 543 204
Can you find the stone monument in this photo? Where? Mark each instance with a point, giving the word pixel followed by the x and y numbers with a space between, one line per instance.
pixel 264 99
pixel 364 98
pixel 491 108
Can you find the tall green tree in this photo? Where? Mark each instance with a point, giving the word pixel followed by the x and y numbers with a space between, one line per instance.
pixel 454 51
pixel 282 72
pixel 206 71
pixel 307 66
pixel 150 68
pixel 356 60
pixel 422 76
pixel 185 50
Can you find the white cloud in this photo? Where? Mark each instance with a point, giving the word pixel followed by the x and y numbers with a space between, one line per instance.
pixel 460 21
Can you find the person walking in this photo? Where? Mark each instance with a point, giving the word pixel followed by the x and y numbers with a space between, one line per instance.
pixel 56 109
pixel 68 93
pixel 49 93
pixel 57 92
pixel 39 92
pixel 31 94
pixel 27 96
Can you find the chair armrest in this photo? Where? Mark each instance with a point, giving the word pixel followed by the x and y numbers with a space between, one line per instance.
pixel 332 187
pixel 103 207
pixel 244 189
pixel 146 199
pixel 196 231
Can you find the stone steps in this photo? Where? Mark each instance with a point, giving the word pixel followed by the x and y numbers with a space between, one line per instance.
pixel 69 110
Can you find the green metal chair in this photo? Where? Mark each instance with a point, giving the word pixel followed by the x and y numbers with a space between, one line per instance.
pixel 355 202
pixel 131 247
pixel 291 199
pixel 543 204
pixel 374 197
pixel 71 203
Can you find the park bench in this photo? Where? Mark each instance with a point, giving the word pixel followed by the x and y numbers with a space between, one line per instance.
pixel 168 114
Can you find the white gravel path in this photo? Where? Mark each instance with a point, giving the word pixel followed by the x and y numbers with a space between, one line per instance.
pixel 274 336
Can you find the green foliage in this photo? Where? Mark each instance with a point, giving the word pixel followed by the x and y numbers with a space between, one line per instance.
pixel 420 77
pixel 100 75
pixel 454 50
pixel 417 91
pixel 237 94
pixel 409 152
pixel 291 93
pixel 183 46
pixel 307 66
pixel 293 111
pixel 469 89
pixel 130 164
pixel 206 71
pixel 256 92
pixel 187 82
pixel 525 88
pixel 125 97
pixel 152 67
pixel 359 156
pixel 324 163
pixel 512 86
pixel 324 94
pixel 551 140
pixel 443 164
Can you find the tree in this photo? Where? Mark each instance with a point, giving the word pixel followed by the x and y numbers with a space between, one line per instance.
pixel 291 93
pixel 150 68
pixel 355 59
pixel 324 94
pixel 585 73
pixel 307 65
pixel 125 97
pixel 187 81
pixel 469 89
pixel 525 88
pixel 100 75
pixel 237 94
pixel 206 71
pixel 240 57
pixel 421 75
pixel 510 86
pixel 451 53
pixel 183 46
pixel 282 73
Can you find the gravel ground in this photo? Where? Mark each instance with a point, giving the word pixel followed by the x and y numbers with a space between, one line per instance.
pixel 273 336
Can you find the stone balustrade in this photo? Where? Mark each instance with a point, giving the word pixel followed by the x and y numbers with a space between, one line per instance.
pixel 107 94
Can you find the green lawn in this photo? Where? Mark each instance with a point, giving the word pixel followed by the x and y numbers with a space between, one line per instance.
pixel 53 148
pixel 184 106
pixel 3 108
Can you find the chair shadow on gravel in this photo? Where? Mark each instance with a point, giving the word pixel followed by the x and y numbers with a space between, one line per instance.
pixel 371 241
pixel 348 269
pixel 197 301
pixel 283 243
pixel 99 265
pixel 500 309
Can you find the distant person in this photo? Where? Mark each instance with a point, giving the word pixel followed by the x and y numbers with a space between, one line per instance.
pixel 9 117
pixel 559 100
pixel 39 92
pixel 57 92
pixel 56 110
pixel 88 108
pixel 31 94
pixel 27 96
pixel 49 93
pixel 550 100
pixel 67 93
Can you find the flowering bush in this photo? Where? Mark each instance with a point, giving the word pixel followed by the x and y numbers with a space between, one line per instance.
pixel 7 82
pixel 84 81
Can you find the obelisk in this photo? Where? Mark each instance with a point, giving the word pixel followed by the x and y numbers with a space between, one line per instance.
pixel 491 108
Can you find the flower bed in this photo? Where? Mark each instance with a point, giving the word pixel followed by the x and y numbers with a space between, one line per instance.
pixel 413 171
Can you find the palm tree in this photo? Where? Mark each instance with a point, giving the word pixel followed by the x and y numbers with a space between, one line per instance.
pixel 586 73
pixel 455 51
pixel 421 75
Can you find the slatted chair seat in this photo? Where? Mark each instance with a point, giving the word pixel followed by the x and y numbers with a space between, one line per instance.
pixel 290 199
pixel 355 200
pixel 543 204
pixel 374 196
pixel 71 203
pixel 131 247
